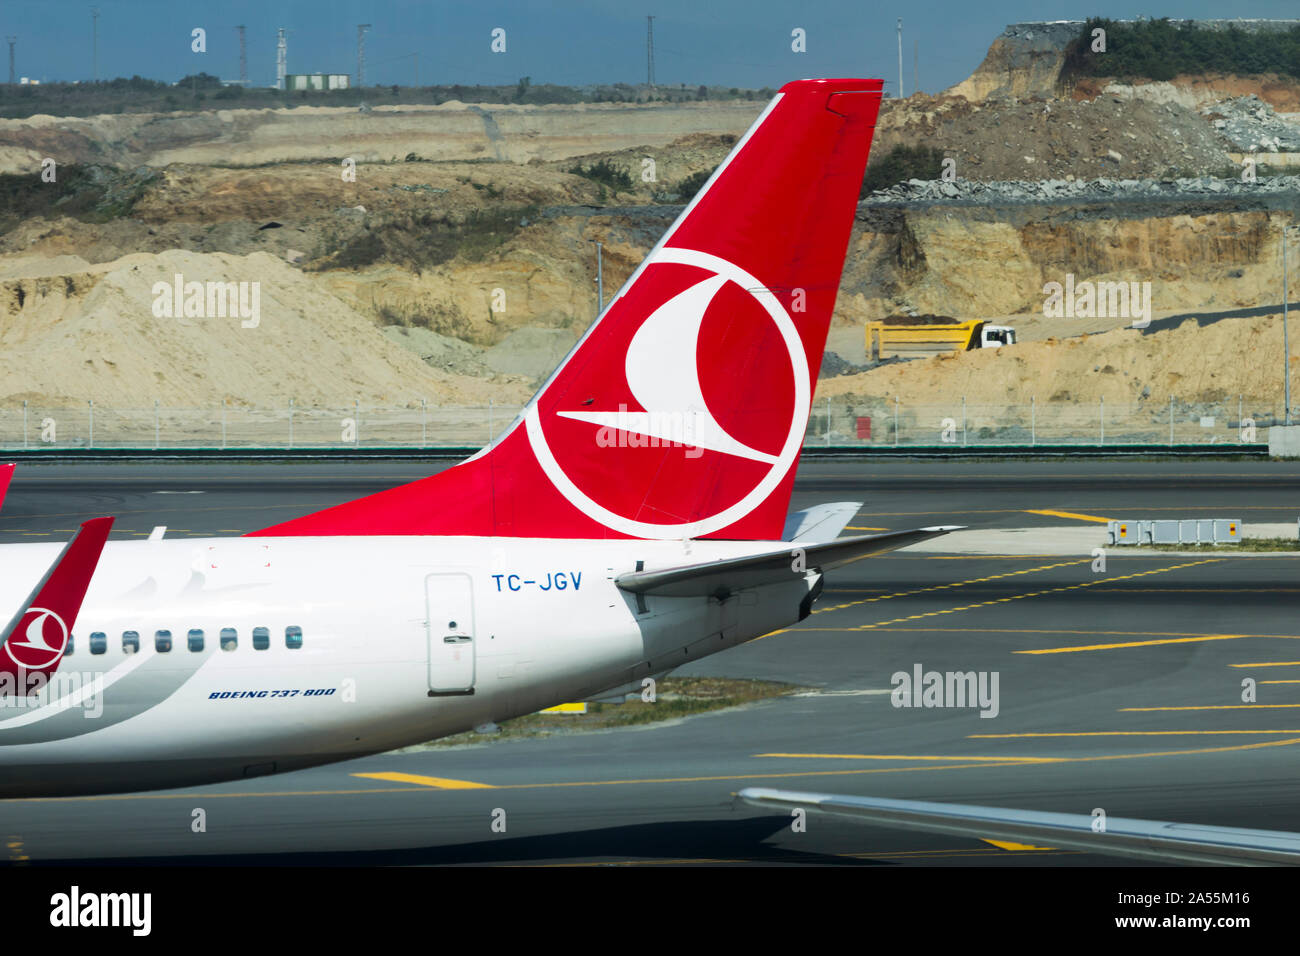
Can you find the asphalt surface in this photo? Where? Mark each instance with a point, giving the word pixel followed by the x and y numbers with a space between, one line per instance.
pixel 1118 689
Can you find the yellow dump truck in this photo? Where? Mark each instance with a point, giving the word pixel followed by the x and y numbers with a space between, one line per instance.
pixel 924 336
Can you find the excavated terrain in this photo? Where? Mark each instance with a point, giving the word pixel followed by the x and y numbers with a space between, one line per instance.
pixel 457 265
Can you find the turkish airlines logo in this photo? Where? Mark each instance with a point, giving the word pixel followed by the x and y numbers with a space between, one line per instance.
pixel 663 374
pixel 669 387
pixel 39 640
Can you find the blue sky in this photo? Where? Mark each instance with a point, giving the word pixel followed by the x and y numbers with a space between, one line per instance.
pixel 723 42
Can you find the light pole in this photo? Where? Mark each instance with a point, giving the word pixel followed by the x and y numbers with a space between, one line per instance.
pixel 900 58
pixel 600 277
pixel 1286 338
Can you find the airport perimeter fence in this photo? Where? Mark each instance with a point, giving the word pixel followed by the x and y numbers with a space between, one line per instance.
pixel 1235 420
pixel 832 423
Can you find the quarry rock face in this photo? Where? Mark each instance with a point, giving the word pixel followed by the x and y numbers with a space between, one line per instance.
pixel 1025 60
pixel 1210 244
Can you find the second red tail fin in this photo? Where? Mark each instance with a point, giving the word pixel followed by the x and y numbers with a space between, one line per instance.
pixel 6 473
pixel 36 639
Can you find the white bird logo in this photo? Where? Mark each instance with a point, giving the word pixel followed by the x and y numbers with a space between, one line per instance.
pixel 43 652
pixel 668 388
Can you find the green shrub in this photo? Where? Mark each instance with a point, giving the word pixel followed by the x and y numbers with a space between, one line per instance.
pixel 1160 50
pixel 605 173
pixel 688 187
pixel 901 164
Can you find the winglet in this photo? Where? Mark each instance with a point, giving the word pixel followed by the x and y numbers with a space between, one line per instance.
pixel 36 638
pixel 6 472
pixel 820 523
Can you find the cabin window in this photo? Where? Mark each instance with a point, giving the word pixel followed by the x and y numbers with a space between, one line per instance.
pixel 261 638
pixel 162 641
pixel 293 637
pixel 229 638
pixel 130 642
pixel 98 642
pixel 195 639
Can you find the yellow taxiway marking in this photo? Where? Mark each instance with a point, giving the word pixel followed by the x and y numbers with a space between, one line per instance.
pixel 906 757
pixel 1111 647
pixel 950 585
pixel 1270 663
pixel 966 763
pixel 1017 761
pixel 865 855
pixel 1054 630
pixel 441 783
pixel 574 707
pixel 16 852
pixel 906 514
pixel 1212 707
pixel 1280 682
pixel 925 590
pixel 1015 847
pixel 941 854
pixel 562 784
pixel 1003 762
pixel 1069 514
pixel 1129 733
pixel 1029 594
pixel 979 557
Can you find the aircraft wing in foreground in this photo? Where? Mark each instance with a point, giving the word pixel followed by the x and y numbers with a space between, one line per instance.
pixel 1153 841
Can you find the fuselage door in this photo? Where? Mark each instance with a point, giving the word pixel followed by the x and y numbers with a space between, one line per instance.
pixel 449 622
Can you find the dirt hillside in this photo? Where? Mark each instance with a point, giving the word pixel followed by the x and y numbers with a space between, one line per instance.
pixel 450 131
pixel 93 334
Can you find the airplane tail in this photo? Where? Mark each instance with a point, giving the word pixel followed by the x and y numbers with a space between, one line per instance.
pixel 36 637
pixel 6 473
pixel 681 412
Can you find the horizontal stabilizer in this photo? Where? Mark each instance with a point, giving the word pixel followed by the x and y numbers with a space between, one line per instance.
pixel 820 523
pixel 1149 840
pixel 721 578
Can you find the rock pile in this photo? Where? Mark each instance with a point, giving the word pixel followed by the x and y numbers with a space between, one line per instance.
pixel 964 191
pixel 1254 126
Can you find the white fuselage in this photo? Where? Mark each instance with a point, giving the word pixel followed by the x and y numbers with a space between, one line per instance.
pixel 290 652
